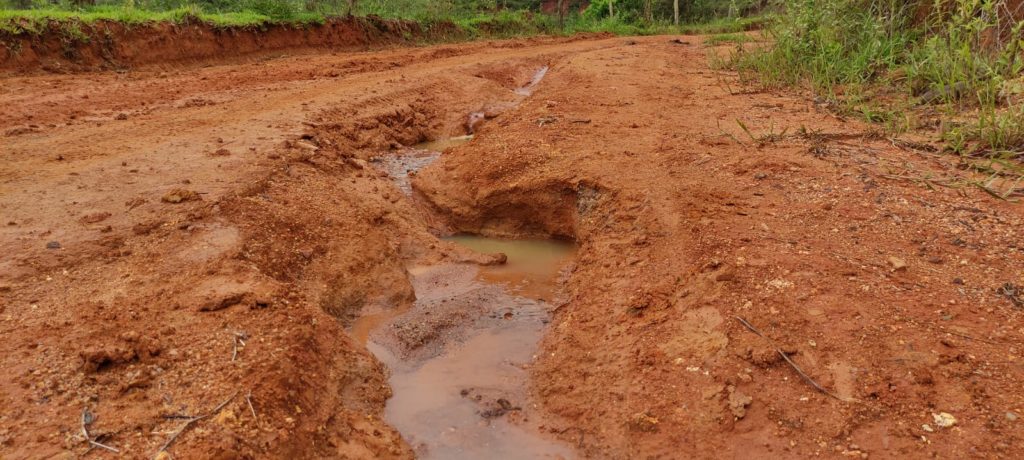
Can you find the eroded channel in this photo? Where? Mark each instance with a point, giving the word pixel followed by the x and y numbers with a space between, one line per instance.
pixel 459 355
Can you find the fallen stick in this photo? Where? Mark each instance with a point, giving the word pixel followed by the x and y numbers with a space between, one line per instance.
pixel 792 364
pixel 86 421
pixel 191 421
pixel 239 337
pixel 248 400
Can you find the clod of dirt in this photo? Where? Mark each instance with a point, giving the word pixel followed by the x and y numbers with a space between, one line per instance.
pixel 495 259
pixel 145 228
pixel 222 301
pixel 219 293
pixel 121 116
pixel 643 422
pixel 221 153
pixel 738 402
pixel 97 359
pixel 95 217
pixel 180 195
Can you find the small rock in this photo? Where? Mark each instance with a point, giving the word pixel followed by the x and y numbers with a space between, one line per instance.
pixel 53 245
pixel 121 116
pixel 1011 416
pixel 897 264
pixel 928 428
pixel 221 153
pixel 944 419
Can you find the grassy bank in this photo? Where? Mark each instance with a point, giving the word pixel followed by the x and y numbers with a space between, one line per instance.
pixel 475 18
pixel 953 71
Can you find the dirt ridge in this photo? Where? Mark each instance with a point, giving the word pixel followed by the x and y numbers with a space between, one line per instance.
pixel 64 46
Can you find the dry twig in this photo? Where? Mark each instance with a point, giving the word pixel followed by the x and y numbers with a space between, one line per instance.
pixel 239 338
pixel 792 364
pixel 192 420
pixel 248 400
pixel 87 419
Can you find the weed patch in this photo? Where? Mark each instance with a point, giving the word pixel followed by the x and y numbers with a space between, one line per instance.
pixel 878 60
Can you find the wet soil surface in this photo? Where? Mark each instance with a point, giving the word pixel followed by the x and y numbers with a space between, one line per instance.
pixel 186 252
pixel 459 357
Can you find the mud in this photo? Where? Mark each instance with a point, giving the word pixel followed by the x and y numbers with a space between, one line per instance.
pixel 459 357
pixel 200 240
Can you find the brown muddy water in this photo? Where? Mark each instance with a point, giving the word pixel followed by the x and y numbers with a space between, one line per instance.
pixel 459 357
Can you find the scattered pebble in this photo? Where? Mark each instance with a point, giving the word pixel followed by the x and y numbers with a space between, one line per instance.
pixel 53 245
pixel 944 419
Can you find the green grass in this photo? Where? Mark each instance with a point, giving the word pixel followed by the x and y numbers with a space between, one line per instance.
pixel 724 25
pixel 719 39
pixel 874 60
pixel 34 21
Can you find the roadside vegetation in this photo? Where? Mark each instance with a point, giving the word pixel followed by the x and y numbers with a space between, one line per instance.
pixel 950 68
pixel 491 18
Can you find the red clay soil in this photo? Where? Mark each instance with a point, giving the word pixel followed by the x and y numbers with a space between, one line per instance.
pixel 64 46
pixel 195 243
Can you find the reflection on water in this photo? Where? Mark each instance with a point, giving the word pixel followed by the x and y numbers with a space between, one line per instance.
pixel 440 145
pixel 532 267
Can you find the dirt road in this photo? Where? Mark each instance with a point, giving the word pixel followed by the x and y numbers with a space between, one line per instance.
pixel 194 242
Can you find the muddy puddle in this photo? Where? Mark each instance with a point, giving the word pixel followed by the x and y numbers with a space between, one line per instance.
pixel 459 356
pixel 401 165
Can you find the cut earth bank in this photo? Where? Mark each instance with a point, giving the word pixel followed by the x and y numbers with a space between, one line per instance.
pixel 175 240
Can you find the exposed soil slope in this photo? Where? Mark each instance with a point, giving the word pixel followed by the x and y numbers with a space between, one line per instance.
pixel 63 46
pixel 219 227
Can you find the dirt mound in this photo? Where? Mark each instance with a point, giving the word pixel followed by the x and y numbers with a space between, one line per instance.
pixel 74 46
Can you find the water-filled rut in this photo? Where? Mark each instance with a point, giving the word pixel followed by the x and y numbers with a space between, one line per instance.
pixel 459 356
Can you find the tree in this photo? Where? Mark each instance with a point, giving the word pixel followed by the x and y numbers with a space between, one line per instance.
pixel 675 12
pixel 561 14
pixel 611 10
